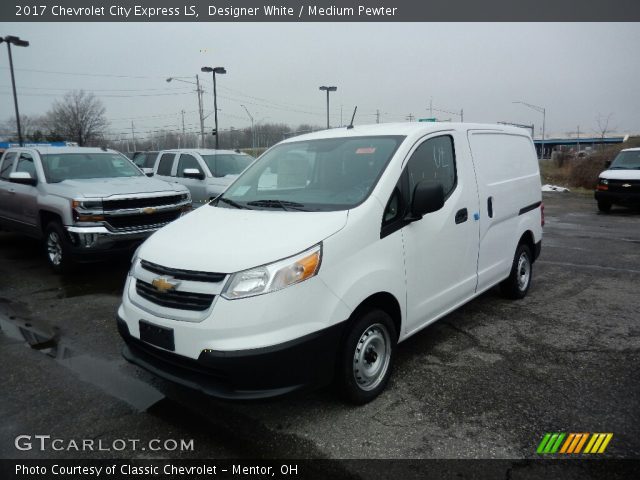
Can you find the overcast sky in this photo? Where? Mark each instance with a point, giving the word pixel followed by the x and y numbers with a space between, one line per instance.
pixel 575 71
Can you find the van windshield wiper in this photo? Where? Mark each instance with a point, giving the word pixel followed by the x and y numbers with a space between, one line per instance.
pixel 283 204
pixel 232 203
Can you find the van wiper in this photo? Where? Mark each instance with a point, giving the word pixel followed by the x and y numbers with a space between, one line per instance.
pixel 232 203
pixel 283 204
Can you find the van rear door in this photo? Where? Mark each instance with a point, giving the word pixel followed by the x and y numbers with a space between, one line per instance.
pixel 508 181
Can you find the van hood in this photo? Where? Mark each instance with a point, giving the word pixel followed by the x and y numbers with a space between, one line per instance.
pixel 225 240
pixel 105 187
pixel 619 174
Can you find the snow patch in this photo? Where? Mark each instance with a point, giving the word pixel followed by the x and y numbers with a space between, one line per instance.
pixel 554 188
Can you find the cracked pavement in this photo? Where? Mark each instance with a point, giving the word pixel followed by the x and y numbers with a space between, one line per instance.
pixel 486 381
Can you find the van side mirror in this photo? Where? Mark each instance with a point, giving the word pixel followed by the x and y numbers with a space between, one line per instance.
pixel 428 197
pixel 607 164
pixel 193 173
pixel 23 178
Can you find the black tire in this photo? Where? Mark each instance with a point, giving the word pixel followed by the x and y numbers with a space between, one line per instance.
pixel 604 206
pixel 517 284
pixel 57 248
pixel 371 341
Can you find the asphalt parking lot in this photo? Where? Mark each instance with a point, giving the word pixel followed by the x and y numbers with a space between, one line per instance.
pixel 484 382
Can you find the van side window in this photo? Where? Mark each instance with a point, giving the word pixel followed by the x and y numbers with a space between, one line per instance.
pixel 7 164
pixel 187 161
pixel 433 161
pixel 25 164
pixel 166 161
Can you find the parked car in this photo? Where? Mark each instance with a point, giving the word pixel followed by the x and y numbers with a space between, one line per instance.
pixel 145 161
pixel 365 236
pixel 83 202
pixel 619 184
pixel 206 173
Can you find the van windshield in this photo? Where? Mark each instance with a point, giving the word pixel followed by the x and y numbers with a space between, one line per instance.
pixel 313 175
pixel 72 166
pixel 629 160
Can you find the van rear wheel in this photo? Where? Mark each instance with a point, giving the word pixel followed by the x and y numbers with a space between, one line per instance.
pixel 367 356
pixel 517 284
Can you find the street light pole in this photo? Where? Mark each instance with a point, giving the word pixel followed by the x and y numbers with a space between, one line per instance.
pixel 9 39
pixel 328 89
pixel 199 91
pixel 543 111
pixel 220 71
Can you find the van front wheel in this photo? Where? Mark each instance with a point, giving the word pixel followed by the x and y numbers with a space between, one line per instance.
pixel 517 284
pixel 367 356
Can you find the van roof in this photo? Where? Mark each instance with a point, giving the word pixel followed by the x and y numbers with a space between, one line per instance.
pixel 634 149
pixel 405 129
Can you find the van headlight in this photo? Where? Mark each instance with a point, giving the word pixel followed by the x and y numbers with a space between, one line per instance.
pixel 275 276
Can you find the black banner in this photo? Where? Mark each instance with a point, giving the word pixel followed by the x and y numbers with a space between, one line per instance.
pixel 318 11
pixel 610 469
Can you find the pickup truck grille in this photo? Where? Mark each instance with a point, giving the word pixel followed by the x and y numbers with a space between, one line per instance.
pixel 127 203
pixel 174 299
pixel 141 221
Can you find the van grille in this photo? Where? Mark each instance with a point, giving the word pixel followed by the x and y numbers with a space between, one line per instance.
pixel 179 274
pixel 616 186
pixel 174 299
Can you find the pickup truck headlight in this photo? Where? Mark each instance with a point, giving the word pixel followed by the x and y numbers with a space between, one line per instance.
pixel 274 276
pixel 87 210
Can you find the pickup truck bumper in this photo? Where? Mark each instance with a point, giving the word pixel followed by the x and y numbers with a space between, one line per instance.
pixel 88 240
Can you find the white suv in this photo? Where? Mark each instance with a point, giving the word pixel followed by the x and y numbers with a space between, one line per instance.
pixel 206 173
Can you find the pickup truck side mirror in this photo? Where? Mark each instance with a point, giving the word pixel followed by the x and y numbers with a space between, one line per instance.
pixel 607 164
pixel 23 178
pixel 428 197
pixel 193 173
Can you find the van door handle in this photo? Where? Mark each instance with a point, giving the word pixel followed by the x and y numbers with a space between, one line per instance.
pixel 490 207
pixel 462 215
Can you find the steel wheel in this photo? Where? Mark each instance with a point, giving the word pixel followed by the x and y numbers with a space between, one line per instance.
pixel 371 357
pixel 524 271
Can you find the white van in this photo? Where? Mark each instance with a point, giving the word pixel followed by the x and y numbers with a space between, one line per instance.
pixel 329 250
pixel 619 184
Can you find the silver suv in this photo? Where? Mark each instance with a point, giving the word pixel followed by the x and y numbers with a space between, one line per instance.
pixel 83 202
pixel 206 173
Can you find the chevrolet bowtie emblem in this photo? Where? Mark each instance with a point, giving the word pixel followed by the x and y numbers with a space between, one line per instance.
pixel 627 185
pixel 164 284
pixel 149 210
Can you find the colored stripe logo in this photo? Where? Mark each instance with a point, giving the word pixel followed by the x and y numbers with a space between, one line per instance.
pixel 573 443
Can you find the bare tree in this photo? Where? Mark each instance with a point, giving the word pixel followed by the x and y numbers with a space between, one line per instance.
pixel 78 117
pixel 603 125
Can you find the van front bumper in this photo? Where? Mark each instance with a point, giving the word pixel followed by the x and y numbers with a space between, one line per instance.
pixel 618 198
pixel 309 361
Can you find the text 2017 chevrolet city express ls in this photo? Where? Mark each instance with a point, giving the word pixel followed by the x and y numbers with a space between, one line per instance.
pixel 329 250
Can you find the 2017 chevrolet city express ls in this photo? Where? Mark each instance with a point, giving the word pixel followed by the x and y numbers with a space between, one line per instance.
pixel 329 250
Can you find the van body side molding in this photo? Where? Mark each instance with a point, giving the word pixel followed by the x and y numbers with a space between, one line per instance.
pixel 528 208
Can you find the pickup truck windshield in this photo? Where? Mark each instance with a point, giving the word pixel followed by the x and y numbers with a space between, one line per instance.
pixel 227 163
pixel 313 175
pixel 627 161
pixel 74 166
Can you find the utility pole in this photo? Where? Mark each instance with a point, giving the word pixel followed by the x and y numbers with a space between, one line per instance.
pixel 410 117
pixel 377 115
pixel 253 132
pixel 462 115
pixel 201 112
pixel 431 107
pixel 133 136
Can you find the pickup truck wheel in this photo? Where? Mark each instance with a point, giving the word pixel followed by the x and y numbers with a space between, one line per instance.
pixel 517 284
pixel 367 357
pixel 604 206
pixel 57 248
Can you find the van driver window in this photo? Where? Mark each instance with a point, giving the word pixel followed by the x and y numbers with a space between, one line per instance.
pixel 433 161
